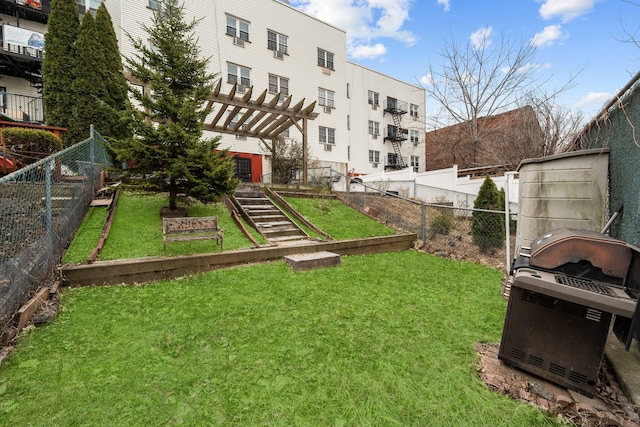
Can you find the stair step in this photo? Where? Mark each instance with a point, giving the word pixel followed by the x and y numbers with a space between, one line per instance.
pixel 274 224
pixel 301 262
pixel 268 218
pixel 283 232
pixel 253 200
pixel 288 238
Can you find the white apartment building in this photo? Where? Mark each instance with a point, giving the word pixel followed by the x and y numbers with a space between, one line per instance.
pixel 366 121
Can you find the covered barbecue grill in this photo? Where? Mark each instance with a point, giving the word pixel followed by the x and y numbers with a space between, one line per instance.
pixel 566 289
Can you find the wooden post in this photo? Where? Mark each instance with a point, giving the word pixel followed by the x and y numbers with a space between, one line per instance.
pixel 305 156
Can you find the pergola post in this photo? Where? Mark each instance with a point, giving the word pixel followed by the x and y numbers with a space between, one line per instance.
pixel 305 156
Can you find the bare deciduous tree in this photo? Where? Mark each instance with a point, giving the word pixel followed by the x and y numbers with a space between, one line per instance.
pixel 483 80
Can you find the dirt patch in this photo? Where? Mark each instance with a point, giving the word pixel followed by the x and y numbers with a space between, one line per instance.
pixel 608 407
pixel 165 212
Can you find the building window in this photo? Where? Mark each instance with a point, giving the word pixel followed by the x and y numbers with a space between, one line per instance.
pixel 277 41
pixel 237 28
pixel 325 59
pixel 285 133
pixel 279 85
pixel 326 97
pixel 414 136
pixel 348 94
pixel 327 135
pixel 374 98
pixel 93 5
pixel 153 4
pixel 392 159
pixel 415 163
pixel 413 110
pixel 374 127
pixel 238 74
pixel 374 156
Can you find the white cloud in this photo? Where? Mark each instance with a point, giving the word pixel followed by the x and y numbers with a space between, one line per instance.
pixel 427 80
pixel 445 4
pixel 368 51
pixel 527 68
pixel 594 99
pixel 364 21
pixel 481 38
pixel 547 36
pixel 566 10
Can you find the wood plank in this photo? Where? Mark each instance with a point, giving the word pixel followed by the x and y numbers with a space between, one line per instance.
pixel 27 311
pixel 159 268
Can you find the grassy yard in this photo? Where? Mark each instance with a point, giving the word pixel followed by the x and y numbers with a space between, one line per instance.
pixel 137 230
pixel 382 340
pixel 337 219
pixel 137 227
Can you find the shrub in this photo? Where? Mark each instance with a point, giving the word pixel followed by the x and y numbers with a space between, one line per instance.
pixel 487 228
pixel 30 145
pixel 442 223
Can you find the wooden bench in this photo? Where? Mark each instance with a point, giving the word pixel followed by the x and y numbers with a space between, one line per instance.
pixel 190 228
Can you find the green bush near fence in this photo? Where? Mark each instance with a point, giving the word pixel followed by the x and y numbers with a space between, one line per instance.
pixel 29 145
pixel 487 228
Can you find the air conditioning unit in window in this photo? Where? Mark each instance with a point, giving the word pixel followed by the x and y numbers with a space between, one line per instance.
pixel 241 88
pixel 238 41
pixel 374 165
pixel 374 106
pixel 374 136
pixel 327 109
pixel 328 147
pixel 277 54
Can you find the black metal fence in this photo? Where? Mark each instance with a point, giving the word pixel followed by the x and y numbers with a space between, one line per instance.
pixel 41 206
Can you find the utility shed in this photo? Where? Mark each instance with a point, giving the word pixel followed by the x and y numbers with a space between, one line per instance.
pixel 617 127
pixel 564 190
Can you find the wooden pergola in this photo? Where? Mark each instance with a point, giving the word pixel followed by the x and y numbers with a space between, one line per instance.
pixel 260 119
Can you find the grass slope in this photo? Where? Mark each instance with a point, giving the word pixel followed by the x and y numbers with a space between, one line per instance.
pixel 382 340
pixel 137 231
pixel 337 219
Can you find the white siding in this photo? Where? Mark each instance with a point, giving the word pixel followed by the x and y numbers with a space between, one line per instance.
pixel 362 80
pixel 305 35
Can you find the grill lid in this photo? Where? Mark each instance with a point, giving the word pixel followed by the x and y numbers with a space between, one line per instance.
pixel 565 245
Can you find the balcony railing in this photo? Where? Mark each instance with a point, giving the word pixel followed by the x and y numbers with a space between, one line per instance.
pixel 21 108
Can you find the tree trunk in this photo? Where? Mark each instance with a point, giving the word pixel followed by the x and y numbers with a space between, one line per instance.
pixel 173 194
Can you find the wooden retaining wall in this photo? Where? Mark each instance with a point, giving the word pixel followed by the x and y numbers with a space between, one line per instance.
pixel 141 270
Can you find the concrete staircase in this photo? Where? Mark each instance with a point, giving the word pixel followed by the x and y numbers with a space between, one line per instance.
pixel 267 218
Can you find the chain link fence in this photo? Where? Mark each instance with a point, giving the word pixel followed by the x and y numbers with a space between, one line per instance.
pixel 477 235
pixel 41 206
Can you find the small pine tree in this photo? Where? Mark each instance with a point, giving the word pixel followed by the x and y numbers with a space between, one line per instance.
pixel 487 228
pixel 57 72
pixel 168 128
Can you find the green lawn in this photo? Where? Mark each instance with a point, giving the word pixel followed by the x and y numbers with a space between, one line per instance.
pixel 337 219
pixel 137 227
pixel 137 231
pixel 381 340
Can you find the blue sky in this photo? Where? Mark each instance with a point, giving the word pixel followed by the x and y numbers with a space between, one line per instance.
pixel 401 38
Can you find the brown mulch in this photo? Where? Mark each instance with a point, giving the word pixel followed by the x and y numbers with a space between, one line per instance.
pixel 608 407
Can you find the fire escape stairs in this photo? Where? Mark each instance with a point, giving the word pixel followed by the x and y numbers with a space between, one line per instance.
pixel 397 139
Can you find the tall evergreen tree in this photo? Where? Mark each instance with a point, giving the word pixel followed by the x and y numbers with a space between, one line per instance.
pixel 116 97
pixel 57 71
pixel 168 127
pixel 88 88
